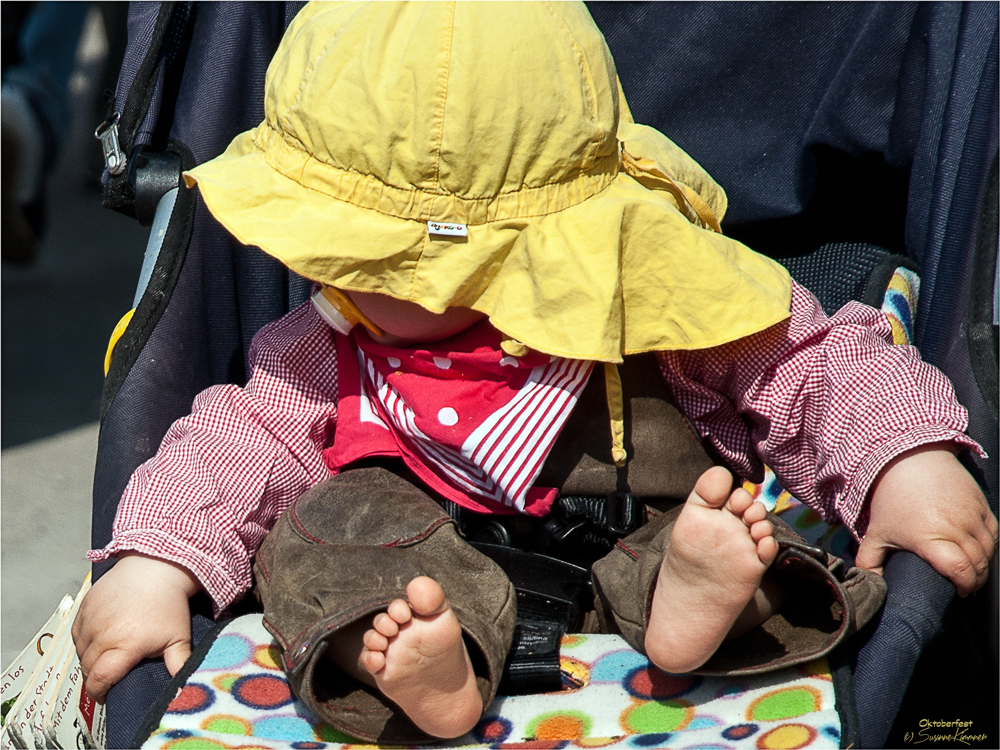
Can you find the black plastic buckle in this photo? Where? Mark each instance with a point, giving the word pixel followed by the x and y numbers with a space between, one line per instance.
pixel 623 514
pixel 559 533
pixel 494 532
pixel 532 665
pixel 548 590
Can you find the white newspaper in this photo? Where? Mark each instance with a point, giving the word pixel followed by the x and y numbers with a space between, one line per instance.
pixel 18 676
pixel 44 703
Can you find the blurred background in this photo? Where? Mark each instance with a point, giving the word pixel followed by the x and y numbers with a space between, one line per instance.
pixel 69 272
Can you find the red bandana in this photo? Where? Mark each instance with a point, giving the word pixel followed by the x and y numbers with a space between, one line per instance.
pixel 472 422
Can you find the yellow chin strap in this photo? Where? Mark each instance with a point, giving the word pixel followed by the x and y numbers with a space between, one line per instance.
pixel 348 309
pixel 616 408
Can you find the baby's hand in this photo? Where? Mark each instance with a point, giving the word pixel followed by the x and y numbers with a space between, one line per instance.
pixel 138 609
pixel 926 502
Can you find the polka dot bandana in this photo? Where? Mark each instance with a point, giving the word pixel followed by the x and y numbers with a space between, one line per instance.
pixel 473 422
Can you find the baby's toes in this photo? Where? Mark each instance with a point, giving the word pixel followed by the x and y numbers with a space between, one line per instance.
pixel 712 488
pixel 375 641
pixel 761 530
pixel 754 514
pixel 767 546
pixel 426 597
pixel 373 661
pixel 385 625
pixel 740 501
pixel 399 611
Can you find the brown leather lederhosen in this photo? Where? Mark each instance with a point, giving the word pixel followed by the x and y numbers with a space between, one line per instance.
pixel 350 545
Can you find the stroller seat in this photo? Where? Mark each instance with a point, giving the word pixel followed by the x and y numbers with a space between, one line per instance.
pixel 867 130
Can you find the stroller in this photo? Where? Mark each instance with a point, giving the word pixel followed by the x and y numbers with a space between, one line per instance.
pixel 851 139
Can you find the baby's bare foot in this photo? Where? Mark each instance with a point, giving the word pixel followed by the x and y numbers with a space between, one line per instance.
pixel 417 656
pixel 719 550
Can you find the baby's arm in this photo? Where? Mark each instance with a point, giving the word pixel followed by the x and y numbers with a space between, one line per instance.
pixel 856 427
pixel 926 502
pixel 137 610
pixel 207 500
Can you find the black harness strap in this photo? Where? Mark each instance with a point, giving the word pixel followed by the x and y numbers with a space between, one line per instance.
pixel 165 55
pixel 548 561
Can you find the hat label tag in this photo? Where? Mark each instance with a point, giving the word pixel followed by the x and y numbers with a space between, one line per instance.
pixel 447 229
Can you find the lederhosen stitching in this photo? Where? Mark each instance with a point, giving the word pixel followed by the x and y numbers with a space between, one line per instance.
pixel 299 527
pixel 627 550
pixel 421 536
pixel 334 624
pixel 263 569
pixel 274 631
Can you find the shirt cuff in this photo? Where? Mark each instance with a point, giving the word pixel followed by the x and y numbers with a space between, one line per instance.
pixel 214 579
pixel 854 510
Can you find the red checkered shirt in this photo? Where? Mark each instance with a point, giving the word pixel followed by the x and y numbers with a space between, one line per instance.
pixel 825 402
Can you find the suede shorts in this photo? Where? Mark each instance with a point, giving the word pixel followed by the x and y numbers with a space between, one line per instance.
pixel 350 545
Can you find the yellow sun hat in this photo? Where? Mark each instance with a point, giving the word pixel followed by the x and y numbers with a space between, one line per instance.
pixel 578 232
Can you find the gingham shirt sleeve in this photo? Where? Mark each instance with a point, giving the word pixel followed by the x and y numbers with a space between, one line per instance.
pixel 825 402
pixel 224 474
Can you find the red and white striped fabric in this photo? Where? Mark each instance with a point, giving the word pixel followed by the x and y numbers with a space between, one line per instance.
pixel 826 402
pixel 474 423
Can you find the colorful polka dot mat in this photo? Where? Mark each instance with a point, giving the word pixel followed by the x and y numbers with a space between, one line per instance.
pixel 239 698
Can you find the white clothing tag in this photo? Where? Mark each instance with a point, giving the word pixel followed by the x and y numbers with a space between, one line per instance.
pixel 447 228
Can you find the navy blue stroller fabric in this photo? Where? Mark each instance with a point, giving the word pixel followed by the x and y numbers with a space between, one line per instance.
pixel 848 122
pixel 872 122
pixel 829 124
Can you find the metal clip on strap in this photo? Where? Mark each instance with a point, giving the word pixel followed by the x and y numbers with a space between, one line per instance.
pixel 115 160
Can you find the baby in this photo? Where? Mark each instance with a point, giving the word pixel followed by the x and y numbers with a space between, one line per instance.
pixel 488 228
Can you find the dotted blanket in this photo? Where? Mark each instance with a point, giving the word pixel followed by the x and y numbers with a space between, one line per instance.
pixel 238 697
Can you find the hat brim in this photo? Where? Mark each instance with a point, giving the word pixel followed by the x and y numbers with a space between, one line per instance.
pixel 621 272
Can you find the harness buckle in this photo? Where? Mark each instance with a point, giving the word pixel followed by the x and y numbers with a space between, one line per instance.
pixel 623 513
